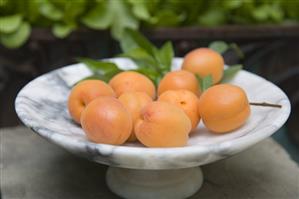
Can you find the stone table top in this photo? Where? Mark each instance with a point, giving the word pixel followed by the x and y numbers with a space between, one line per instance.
pixel 32 168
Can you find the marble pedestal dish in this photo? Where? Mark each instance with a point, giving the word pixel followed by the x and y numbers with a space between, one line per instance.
pixel 136 171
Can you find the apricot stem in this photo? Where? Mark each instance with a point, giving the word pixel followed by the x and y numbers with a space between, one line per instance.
pixel 265 104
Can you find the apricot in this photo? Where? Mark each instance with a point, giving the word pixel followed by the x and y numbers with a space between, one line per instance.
pixel 134 102
pixel 224 108
pixel 105 120
pixel 203 62
pixel 180 79
pixel 132 81
pixel 83 93
pixel 162 125
pixel 186 100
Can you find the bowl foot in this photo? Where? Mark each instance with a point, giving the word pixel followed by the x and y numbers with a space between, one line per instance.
pixel 154 184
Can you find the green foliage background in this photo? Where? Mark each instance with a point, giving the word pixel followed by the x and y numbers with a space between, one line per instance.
pixel 17 17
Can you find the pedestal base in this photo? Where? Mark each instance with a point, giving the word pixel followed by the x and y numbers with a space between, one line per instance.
pixel 154 184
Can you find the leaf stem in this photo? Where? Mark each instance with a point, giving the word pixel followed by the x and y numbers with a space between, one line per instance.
pixel 265 104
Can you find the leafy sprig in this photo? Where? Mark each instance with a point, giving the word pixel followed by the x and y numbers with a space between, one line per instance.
pixel 148 58
pixel 151 61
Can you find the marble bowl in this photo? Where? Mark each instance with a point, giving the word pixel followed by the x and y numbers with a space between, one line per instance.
pixel 136 171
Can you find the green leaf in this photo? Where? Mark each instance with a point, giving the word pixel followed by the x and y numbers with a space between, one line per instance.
pixel 205 82
pixel 150 73
pixel 135 39
pixel 136 53
pixel 141 58
pixel 101 69
pixel 9 24
pixel 3 3
pixel 230 72
pixel 238 50
pixel 139 9
pixel 127 43
pixel 212 17
pixel 219 46
pixel 49 10
pixel 261 13
pixel 114 14
pixel 165 56
pixel 17 38
pixel 167 18
pixel 99 66
pixel 62 30
pixel 276 13
pixel 32 11
pixel 73 9
pixel 232 4
pixel 136 47
pixel 122 18
pixel 99 17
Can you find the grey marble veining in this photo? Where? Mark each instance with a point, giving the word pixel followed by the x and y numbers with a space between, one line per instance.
pixel 41 105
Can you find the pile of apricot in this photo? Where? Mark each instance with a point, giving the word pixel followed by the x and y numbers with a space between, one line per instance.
pixel 130 107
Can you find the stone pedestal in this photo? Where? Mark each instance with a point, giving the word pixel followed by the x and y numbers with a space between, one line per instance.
pixel 157 184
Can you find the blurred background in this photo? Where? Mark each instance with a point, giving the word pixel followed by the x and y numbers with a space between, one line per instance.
pixel 37 36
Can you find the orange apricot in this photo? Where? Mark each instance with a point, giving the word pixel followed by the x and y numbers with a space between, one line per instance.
pixel 180 79
pixel 105 120
pixel 132 81
pixel 186 100
pixel 162 125
pixel 83 93
pixel 203 62
pixel 134 102
pixel 224 108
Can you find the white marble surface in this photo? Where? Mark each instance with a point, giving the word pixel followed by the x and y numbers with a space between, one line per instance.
pixel 41 105
pixel 154 184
